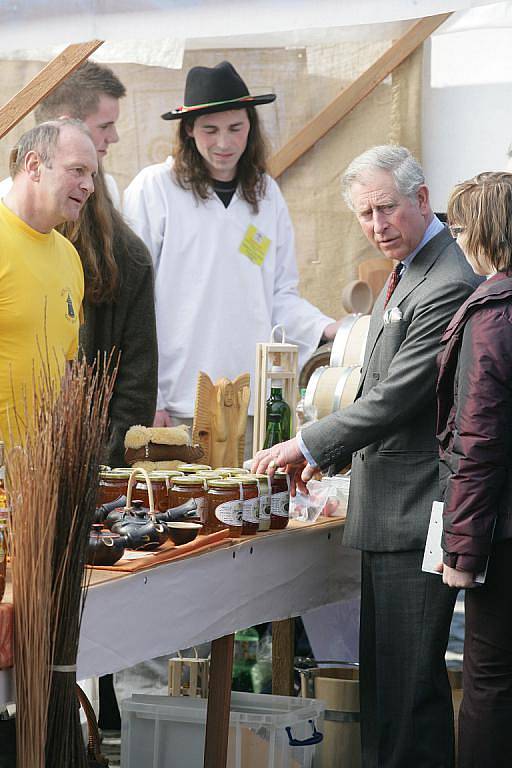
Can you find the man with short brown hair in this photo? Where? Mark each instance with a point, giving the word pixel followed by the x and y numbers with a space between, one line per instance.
pixel 41 276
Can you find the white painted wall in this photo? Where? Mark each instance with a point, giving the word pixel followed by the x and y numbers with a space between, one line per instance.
pixel 467 98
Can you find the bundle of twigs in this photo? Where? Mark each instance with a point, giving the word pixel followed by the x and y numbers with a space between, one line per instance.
pixel 68 432
pixel 33 490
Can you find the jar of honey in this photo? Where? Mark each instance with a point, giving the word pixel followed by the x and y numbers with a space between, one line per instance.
pixel 264 501
pixel 250 504
pixel 191 469
pixel 112 485
pixel 224 507
pixel 279 500
pixel 209 474
pixel 231 471
pixel 189 487
pixel 161 482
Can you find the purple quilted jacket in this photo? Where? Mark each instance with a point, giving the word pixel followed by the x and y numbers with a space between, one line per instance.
pixel 474 425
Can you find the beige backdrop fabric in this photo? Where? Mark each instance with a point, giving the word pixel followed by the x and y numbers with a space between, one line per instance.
pixel 329 242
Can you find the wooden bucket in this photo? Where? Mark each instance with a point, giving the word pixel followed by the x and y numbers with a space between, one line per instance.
pixel 330 389
pixel 338 687
pixel 350 341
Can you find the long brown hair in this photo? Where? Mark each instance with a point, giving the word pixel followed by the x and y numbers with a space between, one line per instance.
pixel 92 235
pixel 191 173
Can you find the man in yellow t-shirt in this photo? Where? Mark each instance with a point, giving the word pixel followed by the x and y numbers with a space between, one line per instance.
pixel 41 278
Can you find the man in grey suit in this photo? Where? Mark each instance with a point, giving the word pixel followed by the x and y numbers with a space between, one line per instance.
pixel 388 434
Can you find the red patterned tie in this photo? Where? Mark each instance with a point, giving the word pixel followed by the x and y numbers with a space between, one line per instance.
pixel 394 279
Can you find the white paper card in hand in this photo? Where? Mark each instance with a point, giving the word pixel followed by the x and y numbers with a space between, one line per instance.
pixel 433 554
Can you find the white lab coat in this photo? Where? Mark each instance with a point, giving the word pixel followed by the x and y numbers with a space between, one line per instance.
pixel 213 304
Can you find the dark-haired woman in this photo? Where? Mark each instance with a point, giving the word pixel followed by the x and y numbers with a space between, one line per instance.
pixel 475 433
pixel 222 244
pixel 119 312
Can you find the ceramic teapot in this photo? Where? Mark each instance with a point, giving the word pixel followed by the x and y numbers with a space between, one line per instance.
pixel 104 548
pixel 137 524
pixel 185 512
pixel 101 513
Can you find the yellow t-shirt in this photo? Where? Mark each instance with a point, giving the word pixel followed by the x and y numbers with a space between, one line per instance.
pixel 41 292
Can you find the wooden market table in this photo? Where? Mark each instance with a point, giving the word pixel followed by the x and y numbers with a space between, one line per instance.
pixel 273 577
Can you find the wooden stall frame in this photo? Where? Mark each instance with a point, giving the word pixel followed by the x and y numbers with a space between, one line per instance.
pixel 44 83
pixel 353 94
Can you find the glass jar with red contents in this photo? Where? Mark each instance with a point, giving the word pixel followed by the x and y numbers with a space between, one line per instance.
pixel 250 504
pixel 279 501
pixel 112 485
pixel 189 487
pixel 224 502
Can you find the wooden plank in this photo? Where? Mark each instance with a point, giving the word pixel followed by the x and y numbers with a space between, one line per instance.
pixel 353 94
pixel 44 83
pixel 283 650
pixel 219 700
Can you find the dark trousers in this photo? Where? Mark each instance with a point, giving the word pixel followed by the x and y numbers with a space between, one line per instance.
pixel 485 719
pixel 406 705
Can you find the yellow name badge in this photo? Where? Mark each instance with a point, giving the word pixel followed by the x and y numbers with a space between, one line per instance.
pixel 255 245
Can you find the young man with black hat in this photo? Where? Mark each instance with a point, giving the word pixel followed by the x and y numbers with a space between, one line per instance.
pixel 222 243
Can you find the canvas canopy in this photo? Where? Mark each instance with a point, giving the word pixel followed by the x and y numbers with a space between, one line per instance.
pixel 157 32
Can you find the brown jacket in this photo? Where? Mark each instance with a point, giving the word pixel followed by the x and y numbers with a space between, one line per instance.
pixel 474 425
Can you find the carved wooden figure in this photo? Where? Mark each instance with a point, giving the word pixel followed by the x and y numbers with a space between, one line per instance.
pixel 220 419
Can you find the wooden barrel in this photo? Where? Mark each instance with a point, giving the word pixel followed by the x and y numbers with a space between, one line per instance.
pixel 350 341
pixel 330 389
pixel 338 687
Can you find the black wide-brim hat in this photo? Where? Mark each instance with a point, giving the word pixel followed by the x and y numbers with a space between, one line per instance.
pixel 216 89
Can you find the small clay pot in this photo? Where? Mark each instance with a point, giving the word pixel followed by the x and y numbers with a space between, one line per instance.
pixel 183 533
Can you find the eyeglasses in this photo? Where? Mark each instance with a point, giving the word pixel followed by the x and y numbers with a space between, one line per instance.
pixel 456 231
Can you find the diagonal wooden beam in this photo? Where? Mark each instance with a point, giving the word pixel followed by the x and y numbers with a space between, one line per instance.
pixel 350 97
pixel 44 83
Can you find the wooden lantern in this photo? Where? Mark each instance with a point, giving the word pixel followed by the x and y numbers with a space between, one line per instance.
pixel 286 357
pixel 189 677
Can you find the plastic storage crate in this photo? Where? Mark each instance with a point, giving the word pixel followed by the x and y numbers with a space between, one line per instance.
pixel 265 731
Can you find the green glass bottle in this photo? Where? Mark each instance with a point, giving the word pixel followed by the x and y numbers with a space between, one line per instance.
pixel 274 434
pixel 277 405
pixel 244 658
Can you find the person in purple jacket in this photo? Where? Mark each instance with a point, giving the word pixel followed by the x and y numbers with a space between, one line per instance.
pixel 475 434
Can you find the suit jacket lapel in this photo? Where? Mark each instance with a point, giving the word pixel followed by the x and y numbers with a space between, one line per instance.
pixel 414 275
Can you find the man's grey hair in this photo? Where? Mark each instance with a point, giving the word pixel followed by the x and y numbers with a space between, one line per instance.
pixel 43 139
pixel 405 169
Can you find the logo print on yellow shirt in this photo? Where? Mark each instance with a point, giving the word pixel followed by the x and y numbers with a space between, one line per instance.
pixel 70 310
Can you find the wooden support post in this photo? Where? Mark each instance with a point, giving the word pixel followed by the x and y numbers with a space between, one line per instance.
pixel 44 83
pixel 283 651
pixel 350 97
pixel 219 700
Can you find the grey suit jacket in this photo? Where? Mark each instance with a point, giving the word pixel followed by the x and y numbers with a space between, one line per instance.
pixel 389 431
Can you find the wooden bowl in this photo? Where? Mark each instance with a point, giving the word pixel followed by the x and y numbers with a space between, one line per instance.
pixel 183 533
